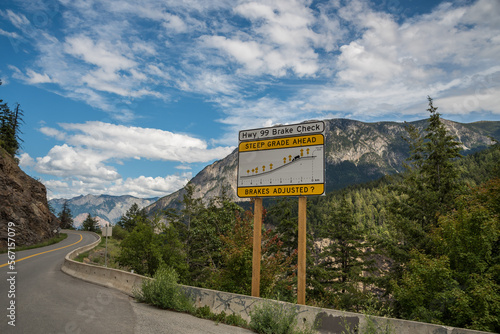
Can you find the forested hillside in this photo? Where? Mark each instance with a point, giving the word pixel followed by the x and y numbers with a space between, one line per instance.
pixel 355 152
pixel 421 245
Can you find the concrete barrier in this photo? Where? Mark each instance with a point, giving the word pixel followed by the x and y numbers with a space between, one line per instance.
pixel 329 321
pixel 112 278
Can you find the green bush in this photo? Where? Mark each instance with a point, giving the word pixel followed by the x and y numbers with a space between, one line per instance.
pixel 164 291
pixel 119 232
pixel 235 320
pixel 204 312
pixel 276 318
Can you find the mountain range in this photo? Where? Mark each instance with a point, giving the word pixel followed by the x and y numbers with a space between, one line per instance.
pixel 355 152
pixel 107 209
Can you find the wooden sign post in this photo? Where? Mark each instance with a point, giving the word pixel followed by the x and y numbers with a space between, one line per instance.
pixel 301 277
pixel 257 228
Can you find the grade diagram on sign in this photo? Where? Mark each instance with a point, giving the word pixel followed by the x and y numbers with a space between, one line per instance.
pixel 295 165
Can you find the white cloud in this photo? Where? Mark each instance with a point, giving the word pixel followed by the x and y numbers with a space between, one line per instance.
pixel 18 20
pixel 51 132
pixel 37 78
pixel 105 56
pixel 67 161
pixel 142 186
pixel 113 141
pixel 90 148
pixel 280 39
pixel 390 68
pixel 254 63
pixel 9 34
pixel 150 186
pixel 25 160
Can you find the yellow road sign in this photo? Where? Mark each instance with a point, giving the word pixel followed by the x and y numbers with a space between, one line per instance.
pixel 287 160
pixel 288 190
pixel 273 144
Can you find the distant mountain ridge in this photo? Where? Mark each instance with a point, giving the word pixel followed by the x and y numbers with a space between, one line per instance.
pixel 355 152
pixel 108 208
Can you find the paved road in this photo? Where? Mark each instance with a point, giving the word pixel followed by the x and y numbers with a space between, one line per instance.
pixel 48 301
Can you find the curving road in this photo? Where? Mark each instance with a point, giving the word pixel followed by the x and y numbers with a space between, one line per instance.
pixel 43 299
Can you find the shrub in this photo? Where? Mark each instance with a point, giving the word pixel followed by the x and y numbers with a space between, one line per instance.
pixel 235 320
pixel 276 318
pixel 164 291
pixel 119 232
pixel 204 312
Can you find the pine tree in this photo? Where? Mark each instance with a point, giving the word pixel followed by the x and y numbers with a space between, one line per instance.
pixel 66 217
pixel 284 216
pixel 10 121
pixel 440 149
pixel 132 217
pixel 345 260
pixel 430 183
pixel 90 224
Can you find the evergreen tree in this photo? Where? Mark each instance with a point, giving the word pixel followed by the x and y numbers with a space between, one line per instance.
pixel 435 179
pixel 346 259
pixel 66 217
pixel 10 121
pixel 205 244
pixel 90 224
pixel 430 183
pixel 200 229
pixel 132 218
pixel 460 284
pixel 440 149
pixel 283 216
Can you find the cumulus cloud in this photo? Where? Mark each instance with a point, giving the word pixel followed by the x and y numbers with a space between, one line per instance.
pixel 85 159
pixel 234 51
pixel 112 141
pixel 280 40
pixel 253 63
pixel 142 186
pixel 392 66
pixel 67 161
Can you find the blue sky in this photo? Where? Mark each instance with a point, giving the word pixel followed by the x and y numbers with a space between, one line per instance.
pixel 137 96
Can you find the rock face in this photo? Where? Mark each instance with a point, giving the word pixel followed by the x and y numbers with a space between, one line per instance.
pixel 23 201
pixel 211 182
pixel 355 152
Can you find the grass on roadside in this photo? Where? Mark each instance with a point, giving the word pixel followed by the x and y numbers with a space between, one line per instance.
pixel 96 255
pixel 49 242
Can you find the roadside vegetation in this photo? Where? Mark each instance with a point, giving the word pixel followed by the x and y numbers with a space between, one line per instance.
pixel 48 242
pixel 423 245
pixel 96 255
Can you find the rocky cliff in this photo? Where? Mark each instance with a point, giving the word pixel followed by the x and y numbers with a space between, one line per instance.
pixel 356 152
pixel 23 201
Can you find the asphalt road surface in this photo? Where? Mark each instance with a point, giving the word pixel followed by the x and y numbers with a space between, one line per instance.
pixel 37 297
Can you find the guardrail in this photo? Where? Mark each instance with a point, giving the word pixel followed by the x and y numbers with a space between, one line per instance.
pixel 112 278
pixel 330 321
